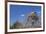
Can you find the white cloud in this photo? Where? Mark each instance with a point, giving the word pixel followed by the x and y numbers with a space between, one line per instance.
pixel 22 15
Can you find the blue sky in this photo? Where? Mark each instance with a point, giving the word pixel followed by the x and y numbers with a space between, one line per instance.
pixel 19 12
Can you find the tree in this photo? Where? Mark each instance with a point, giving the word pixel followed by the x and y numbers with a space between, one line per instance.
pixel 16 25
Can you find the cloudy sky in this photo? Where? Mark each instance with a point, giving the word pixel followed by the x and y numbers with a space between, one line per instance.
pixel 19 12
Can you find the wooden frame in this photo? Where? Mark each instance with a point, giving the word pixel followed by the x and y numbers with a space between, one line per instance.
pixel 24 2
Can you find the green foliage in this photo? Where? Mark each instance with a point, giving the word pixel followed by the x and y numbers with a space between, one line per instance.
pixel 16 25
